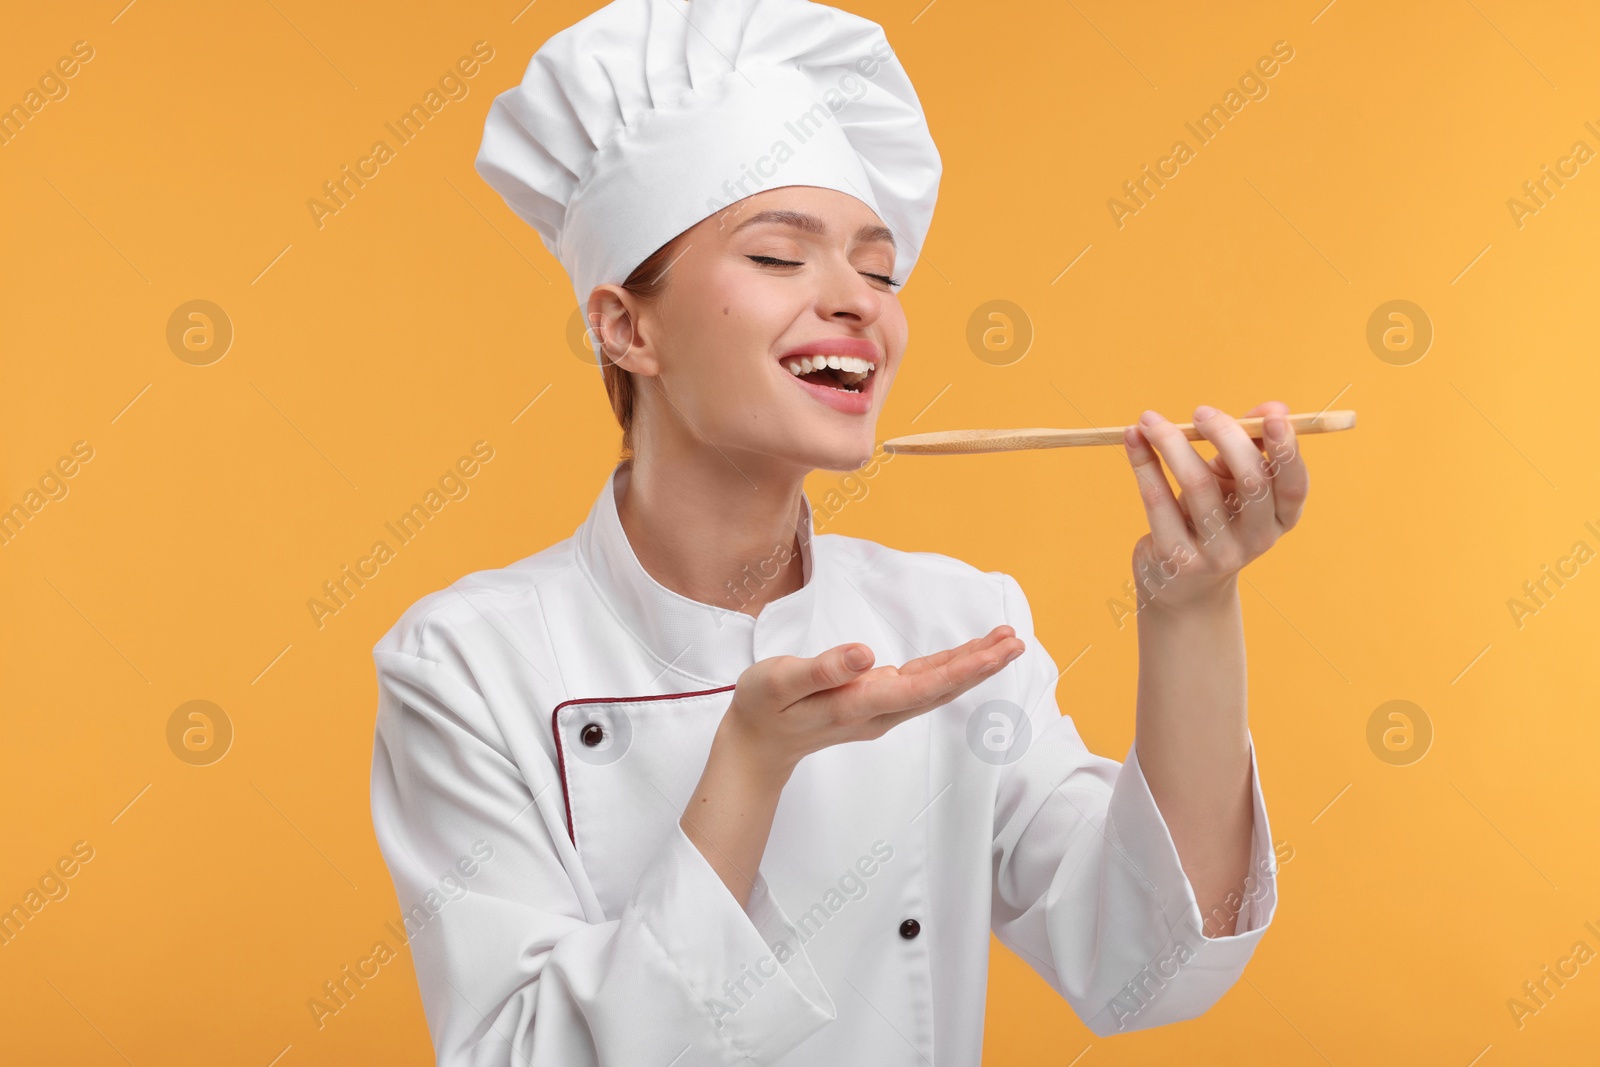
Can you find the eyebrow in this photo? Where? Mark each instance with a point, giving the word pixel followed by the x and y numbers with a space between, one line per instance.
pixel 811 224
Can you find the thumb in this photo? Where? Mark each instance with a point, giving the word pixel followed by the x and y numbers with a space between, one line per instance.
pixel 799 677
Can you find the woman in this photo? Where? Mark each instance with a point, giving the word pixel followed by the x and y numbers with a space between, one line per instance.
pixel 694 786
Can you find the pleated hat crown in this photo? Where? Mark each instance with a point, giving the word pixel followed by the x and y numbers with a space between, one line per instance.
pixel 648 116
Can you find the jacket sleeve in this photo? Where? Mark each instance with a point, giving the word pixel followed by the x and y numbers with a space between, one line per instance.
pixel 510 969
pixel 1088 887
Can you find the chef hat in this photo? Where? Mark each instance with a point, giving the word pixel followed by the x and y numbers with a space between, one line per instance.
pixel 648 116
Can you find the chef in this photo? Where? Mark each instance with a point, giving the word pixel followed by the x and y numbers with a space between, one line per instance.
pixel 687 823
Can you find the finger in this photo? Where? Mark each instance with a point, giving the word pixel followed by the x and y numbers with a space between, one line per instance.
pixel 1263 409
pixel 1290 479
pixel 1168 528
pixel 1252 519
pixel 939 659
pixel 1289 495
pixel 904 692
pixel 883 722
pixel 1201 498
pixel 1218 466
pixel 787 679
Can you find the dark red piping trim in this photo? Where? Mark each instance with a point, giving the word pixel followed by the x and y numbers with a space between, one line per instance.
pixel 561 752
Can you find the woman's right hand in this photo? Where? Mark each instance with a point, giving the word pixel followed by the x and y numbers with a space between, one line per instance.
pixel 786 707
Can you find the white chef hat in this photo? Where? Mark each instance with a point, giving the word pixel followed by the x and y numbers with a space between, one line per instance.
pixel 648 116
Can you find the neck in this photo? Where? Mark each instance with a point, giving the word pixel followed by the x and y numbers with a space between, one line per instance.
pixel 709 532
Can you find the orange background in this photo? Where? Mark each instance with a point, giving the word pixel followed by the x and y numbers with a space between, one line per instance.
pixel 370 353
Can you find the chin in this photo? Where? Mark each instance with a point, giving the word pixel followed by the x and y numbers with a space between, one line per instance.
pixel 818 439
pixel 845 455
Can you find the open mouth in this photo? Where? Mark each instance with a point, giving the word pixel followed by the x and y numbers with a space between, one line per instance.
pixel 844 373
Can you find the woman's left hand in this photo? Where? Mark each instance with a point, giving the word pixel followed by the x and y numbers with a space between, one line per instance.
pixel 1230 510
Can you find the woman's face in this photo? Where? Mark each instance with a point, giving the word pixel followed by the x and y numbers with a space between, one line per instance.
pixel 788 273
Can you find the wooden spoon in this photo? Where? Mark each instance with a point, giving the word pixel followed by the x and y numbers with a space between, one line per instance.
pixel 961 442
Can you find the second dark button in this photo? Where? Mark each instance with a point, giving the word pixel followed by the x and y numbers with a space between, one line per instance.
pixel 910 928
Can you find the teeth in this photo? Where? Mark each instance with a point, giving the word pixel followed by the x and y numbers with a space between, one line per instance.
pixel 852 368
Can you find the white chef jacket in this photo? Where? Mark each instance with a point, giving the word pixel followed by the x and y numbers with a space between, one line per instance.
pixel 556 714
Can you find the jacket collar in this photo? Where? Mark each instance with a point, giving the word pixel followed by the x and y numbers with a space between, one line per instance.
pixel 709 643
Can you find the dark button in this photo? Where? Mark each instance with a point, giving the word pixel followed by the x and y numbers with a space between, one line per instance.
pixel 593 734
pixel 910 928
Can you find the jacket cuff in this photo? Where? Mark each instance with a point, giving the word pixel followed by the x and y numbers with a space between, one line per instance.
pixel 744 967
pixel 1210 965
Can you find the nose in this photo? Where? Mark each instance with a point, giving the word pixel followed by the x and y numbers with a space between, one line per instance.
pixel 847 295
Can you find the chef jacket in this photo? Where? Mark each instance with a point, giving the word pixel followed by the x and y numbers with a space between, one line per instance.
pixel 541 727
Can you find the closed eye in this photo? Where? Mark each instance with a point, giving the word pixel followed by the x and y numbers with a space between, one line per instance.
pixel 774 261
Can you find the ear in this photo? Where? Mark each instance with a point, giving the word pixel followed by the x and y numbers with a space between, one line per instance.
pixel 614 320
